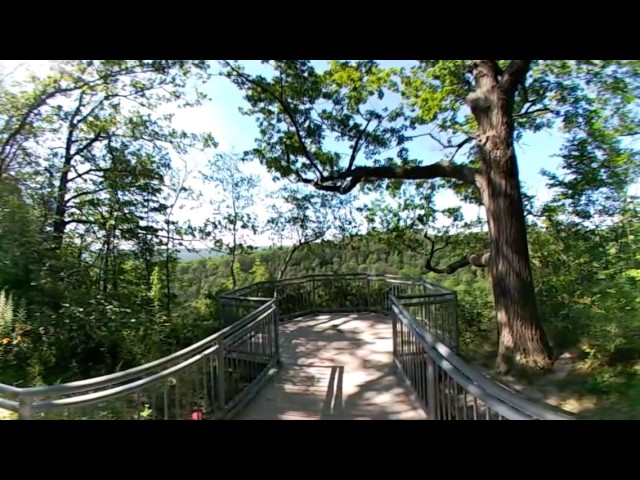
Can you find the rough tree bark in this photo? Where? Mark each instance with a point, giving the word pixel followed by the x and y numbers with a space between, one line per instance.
pixel 523 341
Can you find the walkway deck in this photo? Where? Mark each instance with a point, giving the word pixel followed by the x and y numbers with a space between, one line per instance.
pixel 336 367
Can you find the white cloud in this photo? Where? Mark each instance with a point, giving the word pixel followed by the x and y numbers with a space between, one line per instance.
pixel 19 69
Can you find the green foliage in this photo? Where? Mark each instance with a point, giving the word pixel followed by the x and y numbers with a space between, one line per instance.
pixel 87 191
pixel 586 283
pixel 307 117
pixel 475 111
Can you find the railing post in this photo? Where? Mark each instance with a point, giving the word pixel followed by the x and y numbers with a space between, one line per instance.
pixel 276 326
pixel 313 294
pixel 432 393
pixel 221 381
pixel 220 308
pixel 394 335
pixel 25 410
pixel 455 323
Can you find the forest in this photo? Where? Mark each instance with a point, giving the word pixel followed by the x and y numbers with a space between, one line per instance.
pixel 95 178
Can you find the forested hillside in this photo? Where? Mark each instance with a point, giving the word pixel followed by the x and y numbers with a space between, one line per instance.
pixel 100 270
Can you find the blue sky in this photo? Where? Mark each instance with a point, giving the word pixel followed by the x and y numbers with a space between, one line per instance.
pixel 235 132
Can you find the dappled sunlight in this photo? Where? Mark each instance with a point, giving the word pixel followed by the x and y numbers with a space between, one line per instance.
pixel 7 415
pixel 336 367
pixel 561 387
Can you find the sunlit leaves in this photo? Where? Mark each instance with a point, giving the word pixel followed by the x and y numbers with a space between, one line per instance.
pixel 303 113
pixel 436 91
pixel 597 105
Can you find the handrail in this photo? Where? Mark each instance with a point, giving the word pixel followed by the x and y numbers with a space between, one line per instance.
pixel 91 398
pixel 140 374
pixel 237 293
pixel 493 394
pixel 8 405
pixel 118 377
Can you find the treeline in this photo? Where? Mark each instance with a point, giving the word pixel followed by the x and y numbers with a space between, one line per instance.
pixel 587 281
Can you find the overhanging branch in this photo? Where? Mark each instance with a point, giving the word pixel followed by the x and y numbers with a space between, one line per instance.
pixel 349 179
pixel 478 261
pixel 281 101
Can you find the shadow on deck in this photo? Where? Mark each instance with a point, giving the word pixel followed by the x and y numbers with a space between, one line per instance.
pixel 336 367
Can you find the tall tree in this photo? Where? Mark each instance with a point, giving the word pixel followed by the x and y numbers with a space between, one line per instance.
pixel 86 168
pixel 475 108
pixel 233 218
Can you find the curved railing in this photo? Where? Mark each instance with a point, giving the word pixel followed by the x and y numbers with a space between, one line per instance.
pixel 217 376
pixel 336 293
pixel 211 379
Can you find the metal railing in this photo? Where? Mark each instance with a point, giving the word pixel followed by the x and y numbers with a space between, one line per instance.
pixel 447 386
pixel 216 377
pixel 425 340
pixel 433 306
pixel 211 379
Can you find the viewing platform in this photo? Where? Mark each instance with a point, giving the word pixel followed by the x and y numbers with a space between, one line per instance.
pixel 321 347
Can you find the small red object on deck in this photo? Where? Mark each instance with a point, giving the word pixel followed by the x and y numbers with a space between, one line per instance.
pixel 197 415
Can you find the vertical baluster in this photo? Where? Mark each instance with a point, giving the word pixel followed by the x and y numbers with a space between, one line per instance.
pixel 422 374
pixel 154 404
pixel 465 403
pixel 166 399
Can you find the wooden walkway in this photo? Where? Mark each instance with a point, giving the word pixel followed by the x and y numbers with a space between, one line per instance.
pixel 336 367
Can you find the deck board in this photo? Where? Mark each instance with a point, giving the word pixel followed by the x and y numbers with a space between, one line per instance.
pixel 336 367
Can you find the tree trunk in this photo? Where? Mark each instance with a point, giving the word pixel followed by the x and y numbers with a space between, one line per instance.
pixel 167 274
pixel 288 258
pixel 60 216
pixel 234 280
pixel 523 341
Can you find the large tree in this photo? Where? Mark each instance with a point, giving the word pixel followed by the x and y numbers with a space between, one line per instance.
pixel 476 111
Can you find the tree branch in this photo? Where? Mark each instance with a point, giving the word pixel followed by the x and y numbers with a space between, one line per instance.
pixel 83 194
pixel 356 146
pixel 443 169
pixel 528 112
pixel 293 249
pixel 98 136
pixel 514 75
pixel 286 109
pixel 479 261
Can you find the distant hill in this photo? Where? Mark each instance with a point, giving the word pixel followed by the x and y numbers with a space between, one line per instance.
pixel 185 256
